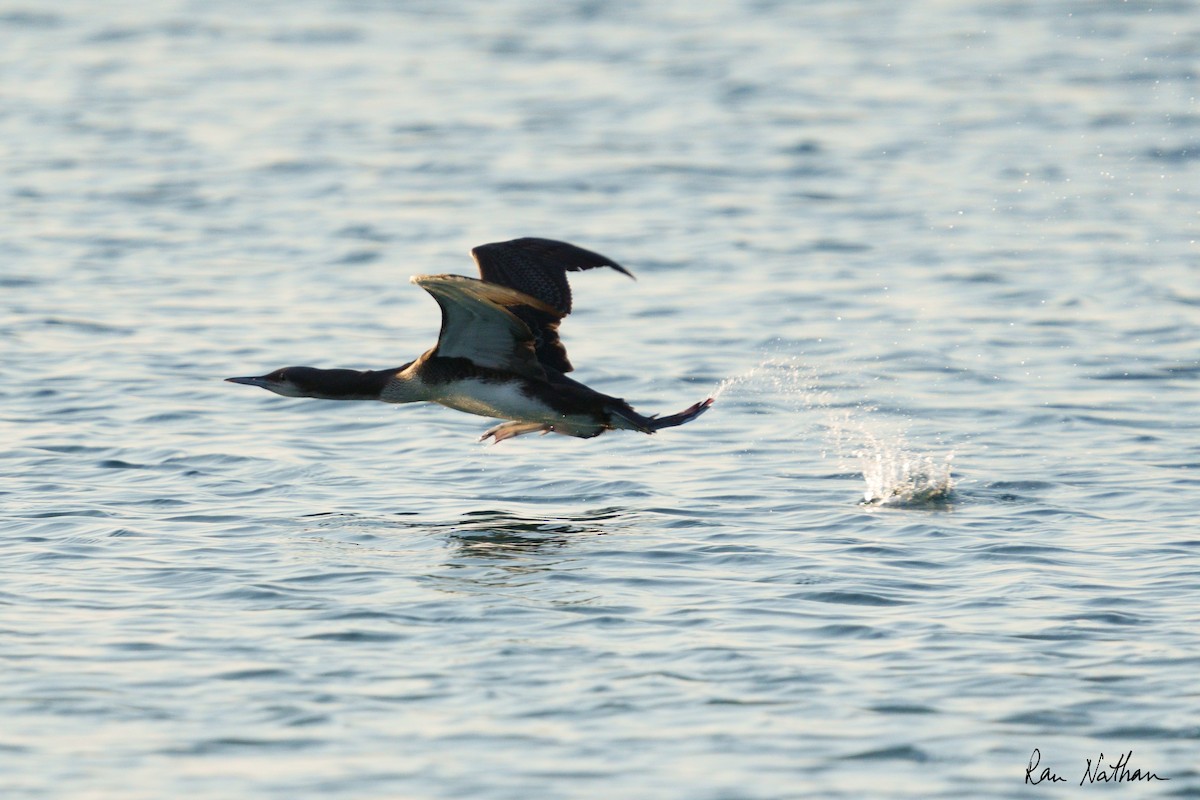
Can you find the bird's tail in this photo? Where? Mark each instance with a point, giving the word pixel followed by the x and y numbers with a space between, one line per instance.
pixel 637 422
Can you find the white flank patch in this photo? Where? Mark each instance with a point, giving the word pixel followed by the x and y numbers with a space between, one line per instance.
pixel 499 400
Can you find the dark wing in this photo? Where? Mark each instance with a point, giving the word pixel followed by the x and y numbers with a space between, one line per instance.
pixel 477 324
pixel 538 268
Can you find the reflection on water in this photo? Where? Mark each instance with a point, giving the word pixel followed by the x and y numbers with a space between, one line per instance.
pixel 496 550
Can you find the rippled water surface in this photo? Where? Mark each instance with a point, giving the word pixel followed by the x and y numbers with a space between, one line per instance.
pixel 939 256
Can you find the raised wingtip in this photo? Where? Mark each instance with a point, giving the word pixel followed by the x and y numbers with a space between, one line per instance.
pixel 546 252
pixel 610 263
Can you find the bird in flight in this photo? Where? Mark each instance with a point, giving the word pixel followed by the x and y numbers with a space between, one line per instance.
pixel 498 353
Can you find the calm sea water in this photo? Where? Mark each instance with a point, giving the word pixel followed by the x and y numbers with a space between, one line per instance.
pixel 938 255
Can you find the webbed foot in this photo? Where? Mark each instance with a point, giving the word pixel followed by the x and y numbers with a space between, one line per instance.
pixel 687 415
pixel 508 430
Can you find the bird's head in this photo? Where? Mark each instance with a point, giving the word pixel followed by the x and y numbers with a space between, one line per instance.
pixel 288 381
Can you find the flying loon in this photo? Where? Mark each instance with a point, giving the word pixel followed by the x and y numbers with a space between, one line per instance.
pixel 498 353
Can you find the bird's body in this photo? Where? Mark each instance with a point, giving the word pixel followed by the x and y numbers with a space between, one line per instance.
pixel 498 353
pixel 526 401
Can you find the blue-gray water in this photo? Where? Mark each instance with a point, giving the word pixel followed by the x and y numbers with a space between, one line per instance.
pixel 908 242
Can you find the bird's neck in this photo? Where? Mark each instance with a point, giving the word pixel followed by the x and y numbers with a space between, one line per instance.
pixel 349 384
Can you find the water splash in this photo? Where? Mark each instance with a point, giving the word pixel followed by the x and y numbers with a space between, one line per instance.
pixel 897 474
pixel 788 379
pixel 901 479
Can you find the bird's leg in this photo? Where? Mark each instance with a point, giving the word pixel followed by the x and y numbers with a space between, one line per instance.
pixel 508 430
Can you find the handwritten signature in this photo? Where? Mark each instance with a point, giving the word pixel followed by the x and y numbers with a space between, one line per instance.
pixel 1115 772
